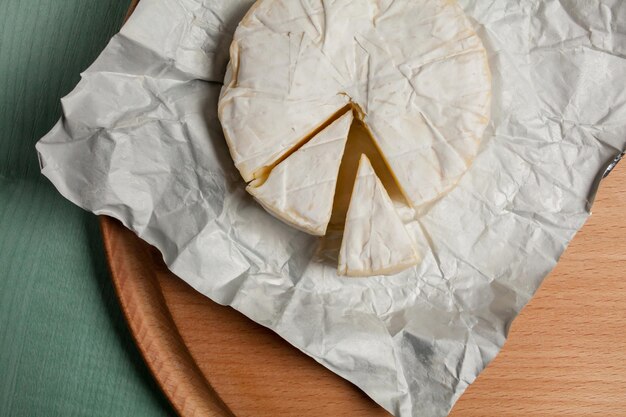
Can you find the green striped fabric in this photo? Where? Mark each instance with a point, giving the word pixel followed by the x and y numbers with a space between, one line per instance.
pixel 65 349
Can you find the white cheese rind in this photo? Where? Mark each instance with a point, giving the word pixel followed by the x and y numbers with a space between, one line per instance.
pixel 301 189
pixel 375 241
pixel 416 68
pixel 279 89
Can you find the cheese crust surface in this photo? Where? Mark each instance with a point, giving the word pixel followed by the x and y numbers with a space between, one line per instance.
pixel 413 71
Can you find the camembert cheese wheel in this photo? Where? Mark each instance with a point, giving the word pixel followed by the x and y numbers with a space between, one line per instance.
pixel 413 72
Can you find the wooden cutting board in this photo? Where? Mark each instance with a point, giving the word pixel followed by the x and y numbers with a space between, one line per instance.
pixel 566 354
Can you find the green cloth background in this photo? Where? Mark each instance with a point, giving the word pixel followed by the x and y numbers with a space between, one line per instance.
pixel 65 349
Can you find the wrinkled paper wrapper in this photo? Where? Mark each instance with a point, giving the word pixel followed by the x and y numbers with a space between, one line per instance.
pixel 140 141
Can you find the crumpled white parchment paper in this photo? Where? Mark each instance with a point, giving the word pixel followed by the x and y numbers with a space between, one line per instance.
pixel 140 141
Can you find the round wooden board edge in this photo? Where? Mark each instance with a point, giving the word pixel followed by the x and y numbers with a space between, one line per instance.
pixel 153 328
pixel 188 394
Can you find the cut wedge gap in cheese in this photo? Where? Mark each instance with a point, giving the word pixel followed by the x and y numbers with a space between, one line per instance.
pixel 360 142
pixel 375 240
pixel 262 174
pixel 301 189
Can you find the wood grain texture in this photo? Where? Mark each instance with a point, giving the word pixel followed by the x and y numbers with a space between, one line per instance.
pixel 136 268
pixel 565 355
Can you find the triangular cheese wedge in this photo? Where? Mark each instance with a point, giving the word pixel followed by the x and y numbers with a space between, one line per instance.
pixel 375 241
pixel 300 190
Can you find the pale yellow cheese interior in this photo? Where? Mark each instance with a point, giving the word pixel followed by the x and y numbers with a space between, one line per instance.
pixel 359 142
